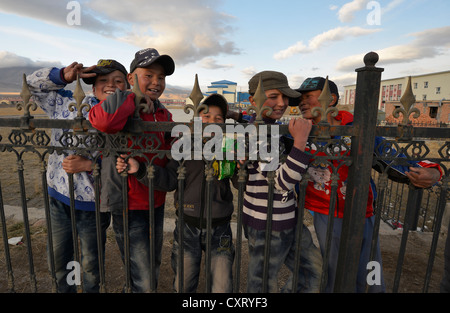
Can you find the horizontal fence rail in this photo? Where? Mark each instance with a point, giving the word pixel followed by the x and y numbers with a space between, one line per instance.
pixel 25 143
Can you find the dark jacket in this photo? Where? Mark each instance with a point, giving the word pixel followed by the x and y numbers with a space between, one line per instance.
pixel 194 195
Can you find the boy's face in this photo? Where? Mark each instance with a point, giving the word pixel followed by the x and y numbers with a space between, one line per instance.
pixel 310 100
pixel 277 101
pixel 214 115
pixel 106 84
pixel 152 80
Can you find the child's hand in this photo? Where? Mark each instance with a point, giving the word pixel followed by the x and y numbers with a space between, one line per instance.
pixel 121 165
pixel 423 177
pixel 76 164
pixel 300 128
pixel 73 70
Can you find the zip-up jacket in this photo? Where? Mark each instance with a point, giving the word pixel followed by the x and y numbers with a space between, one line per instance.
pixel 194 200
pixel 110 116
pixel 318 191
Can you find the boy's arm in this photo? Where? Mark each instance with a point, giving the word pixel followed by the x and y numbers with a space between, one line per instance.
pixel 111 115
pixel 290 172
pixel 422 174
pixel 165 178
pixel 47 85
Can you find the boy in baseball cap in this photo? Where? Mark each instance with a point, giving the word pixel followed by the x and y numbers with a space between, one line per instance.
pixel 110 116
pixel 151 69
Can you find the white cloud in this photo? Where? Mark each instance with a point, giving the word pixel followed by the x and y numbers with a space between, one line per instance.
pixel 55 12
pixel 211 64
pixel 187 30
pixel 249 72
pixel 427 44
pixel 9 59
pixel 332 35
pixel 392 5
pixel 347 11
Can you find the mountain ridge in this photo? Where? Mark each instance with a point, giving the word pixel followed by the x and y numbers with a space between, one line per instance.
pixel 11 82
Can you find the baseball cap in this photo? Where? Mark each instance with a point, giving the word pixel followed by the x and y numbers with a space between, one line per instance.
pixel 145 57
pixel 317 83
pixel 272 80
pixel 218 100
pixel 104 67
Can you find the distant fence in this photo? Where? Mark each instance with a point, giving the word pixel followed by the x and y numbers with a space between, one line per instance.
pixel 27 134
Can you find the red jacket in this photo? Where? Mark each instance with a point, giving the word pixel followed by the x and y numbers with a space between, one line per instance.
pixel 318 191
pixel 110 116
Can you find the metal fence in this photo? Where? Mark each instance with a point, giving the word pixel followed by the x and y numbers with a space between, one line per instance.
pixel 28 134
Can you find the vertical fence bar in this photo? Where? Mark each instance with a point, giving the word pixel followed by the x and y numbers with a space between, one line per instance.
pixel 151 216
pixel 439 214
pixel 242 173
pixel 26 223
pixel 329 235
pixel 126 234
pixel 100 239
pixel 410 214
pixel 9 269
pixel 208 189
pixel 365 120
pixel 73 219
pixel 180 225
pixel 50 252
pixel 267 246
pixel 299 230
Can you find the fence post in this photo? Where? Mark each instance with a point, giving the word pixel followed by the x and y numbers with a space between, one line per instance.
pixel 365 120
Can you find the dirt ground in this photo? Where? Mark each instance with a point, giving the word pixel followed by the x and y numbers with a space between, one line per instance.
pixel 413 271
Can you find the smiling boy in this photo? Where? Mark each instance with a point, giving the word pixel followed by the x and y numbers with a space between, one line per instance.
pixel 284 216
pixel 110 116
pixel 47 86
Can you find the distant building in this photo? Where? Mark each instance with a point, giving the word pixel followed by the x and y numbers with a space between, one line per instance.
pixel 432 93
pixel 228 89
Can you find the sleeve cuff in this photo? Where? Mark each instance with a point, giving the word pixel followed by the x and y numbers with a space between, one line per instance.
pixel 57 76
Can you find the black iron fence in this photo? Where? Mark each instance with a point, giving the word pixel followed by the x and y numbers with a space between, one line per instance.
pixel 27 135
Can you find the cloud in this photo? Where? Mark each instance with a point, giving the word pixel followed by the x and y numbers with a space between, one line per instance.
pixel 347 11
pixel 211 64
pixel 249 72
pixel 427 44
pixel 56 12
pixel 187 30
pixel 333 35
pixel 9 59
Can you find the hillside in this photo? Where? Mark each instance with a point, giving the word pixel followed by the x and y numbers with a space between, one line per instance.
pixel 11 82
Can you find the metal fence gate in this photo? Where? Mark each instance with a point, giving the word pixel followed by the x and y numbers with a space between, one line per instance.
pixel 27 135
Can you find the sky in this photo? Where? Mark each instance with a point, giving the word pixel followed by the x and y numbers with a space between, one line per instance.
pixel 232 39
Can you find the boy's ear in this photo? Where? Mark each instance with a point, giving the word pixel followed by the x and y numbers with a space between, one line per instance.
pixel 252 101
pixel 333 103
pixel 130 78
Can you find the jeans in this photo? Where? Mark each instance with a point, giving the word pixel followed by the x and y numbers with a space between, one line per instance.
pixel 282 251
pixel 222 257
pixel 63 245
pixel 320 225
pixel 139 240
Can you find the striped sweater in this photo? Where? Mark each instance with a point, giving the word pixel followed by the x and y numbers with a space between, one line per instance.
pixel 284 204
